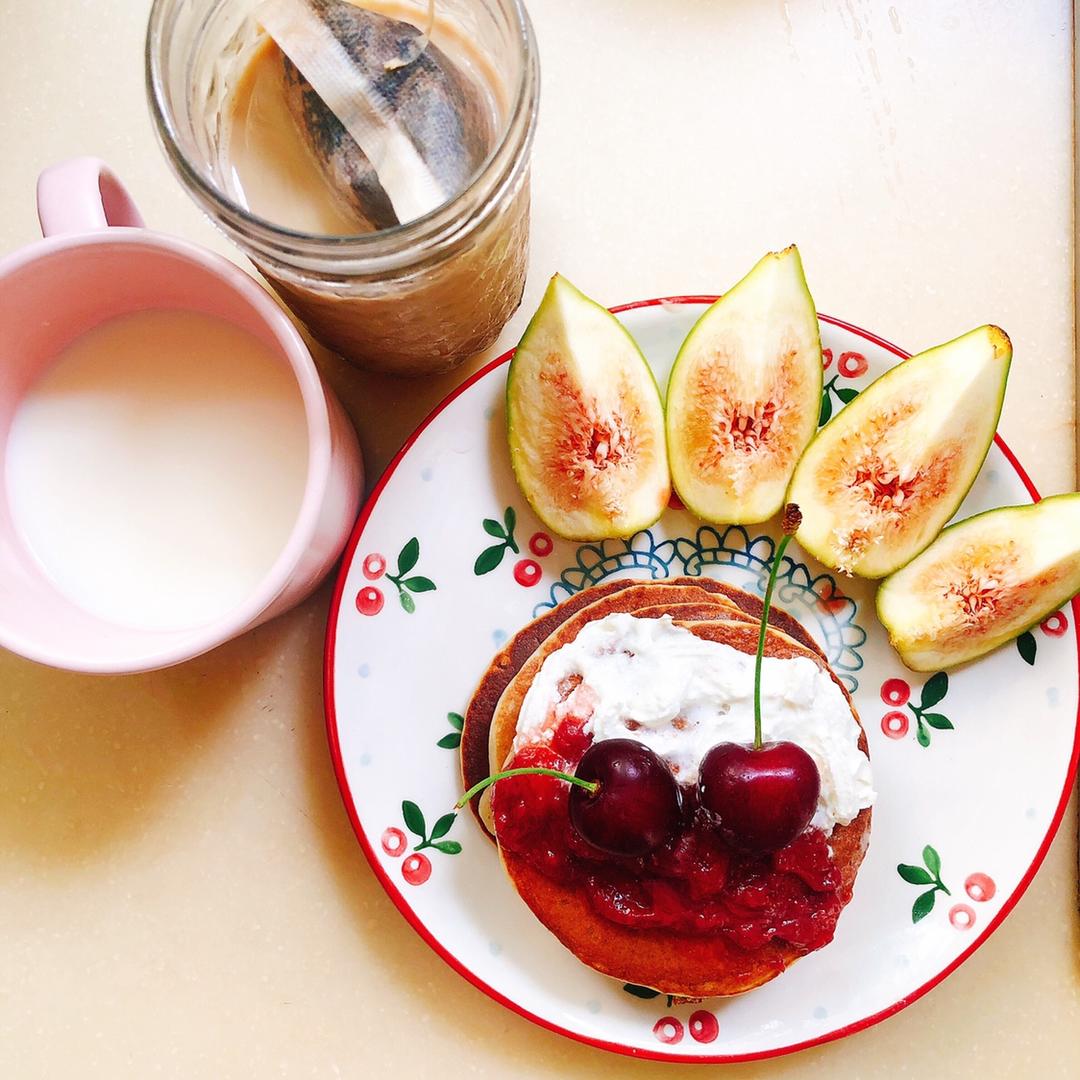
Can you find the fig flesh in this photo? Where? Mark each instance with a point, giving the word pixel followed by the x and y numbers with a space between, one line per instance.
pixel 880 480
pixel 983 582
pixel 744 395
pixel 585 421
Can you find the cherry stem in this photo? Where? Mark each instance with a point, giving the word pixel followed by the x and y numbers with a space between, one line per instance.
pixel 591 786
pixel 792 520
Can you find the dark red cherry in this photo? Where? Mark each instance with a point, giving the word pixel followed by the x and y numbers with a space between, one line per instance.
pixel 637 805
pixel 760 799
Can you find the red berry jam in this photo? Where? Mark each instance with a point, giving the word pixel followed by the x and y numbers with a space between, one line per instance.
pixel 693 884
pixel 531 814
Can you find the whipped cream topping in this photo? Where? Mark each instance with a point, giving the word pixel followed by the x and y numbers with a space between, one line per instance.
pixel 680 695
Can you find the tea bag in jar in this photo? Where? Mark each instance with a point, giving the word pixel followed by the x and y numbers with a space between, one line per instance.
pixel 393 124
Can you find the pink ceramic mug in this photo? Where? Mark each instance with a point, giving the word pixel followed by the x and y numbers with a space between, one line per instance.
pixel 98 261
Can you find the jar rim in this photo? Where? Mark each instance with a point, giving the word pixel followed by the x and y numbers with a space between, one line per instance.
pixel 438 224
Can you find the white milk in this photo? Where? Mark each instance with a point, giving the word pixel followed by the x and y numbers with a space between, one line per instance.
pixel 157 469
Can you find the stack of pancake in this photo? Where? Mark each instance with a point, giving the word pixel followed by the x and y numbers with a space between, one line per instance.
pixel 684 965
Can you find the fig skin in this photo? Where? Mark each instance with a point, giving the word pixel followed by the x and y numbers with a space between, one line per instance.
pixel 744 395
pixel 881 479
pixel 585 422
pixel 982 583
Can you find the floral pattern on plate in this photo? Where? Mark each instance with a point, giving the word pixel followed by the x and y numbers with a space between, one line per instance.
pixel 739 558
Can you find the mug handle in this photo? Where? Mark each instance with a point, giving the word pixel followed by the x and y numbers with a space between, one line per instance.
pixel 82 194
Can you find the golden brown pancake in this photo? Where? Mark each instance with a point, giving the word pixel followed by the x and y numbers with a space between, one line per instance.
pixel 753 607
pixel 693 612
pixel 685 965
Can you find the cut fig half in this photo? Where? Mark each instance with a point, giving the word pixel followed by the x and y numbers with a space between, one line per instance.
pixel 983 582
pixel 745 394
pixel 881 479
pixel 585 421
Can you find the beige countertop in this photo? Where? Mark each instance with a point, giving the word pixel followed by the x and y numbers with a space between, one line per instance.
pixel 180 891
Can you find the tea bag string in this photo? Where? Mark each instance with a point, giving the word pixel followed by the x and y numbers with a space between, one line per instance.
pixel 306 40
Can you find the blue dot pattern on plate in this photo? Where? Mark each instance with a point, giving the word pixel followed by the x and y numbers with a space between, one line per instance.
pixel 1052 696
pixel 494 948
pixel 426 474
pixel 364 670
pixel 498 636
pixel 489 413
pixel 820 1012
pixel 365 759
pixel 593 1006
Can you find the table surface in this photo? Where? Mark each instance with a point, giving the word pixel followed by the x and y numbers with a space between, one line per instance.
pixel 180 891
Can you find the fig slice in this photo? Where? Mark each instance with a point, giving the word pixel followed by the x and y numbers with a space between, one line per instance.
pixel 880 480
pixel 585 421
pixel 745 394
pixel 983 582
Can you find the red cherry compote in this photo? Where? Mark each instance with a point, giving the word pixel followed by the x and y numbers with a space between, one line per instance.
pixel 695 882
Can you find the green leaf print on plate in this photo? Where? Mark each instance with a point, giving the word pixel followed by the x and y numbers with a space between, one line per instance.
pixel 408 557
pixel 453 740
pixel 415 823
pixel 845 395
pixel 492 556
pixel 933 692
pixel 931 875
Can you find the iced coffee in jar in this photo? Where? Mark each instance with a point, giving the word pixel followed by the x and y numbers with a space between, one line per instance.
pixel 370 156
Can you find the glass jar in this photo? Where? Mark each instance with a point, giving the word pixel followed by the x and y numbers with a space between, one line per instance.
pixel 412 299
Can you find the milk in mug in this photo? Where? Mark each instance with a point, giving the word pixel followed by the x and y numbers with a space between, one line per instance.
pixel 156 469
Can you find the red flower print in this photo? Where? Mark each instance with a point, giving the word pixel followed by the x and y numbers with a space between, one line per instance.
pixel 852 364
pixel 394 842
pixel 374 566
pixel 895 692
pixel 369 600
pixel 961 916
pixel 704 1027
pixel 540 544
pixel 895 724
pixel 416 869
pixel 980 887
pixel 527 572
pixel 668 1030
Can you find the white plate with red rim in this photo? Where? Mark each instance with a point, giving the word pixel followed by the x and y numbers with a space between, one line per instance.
pixel 447 561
